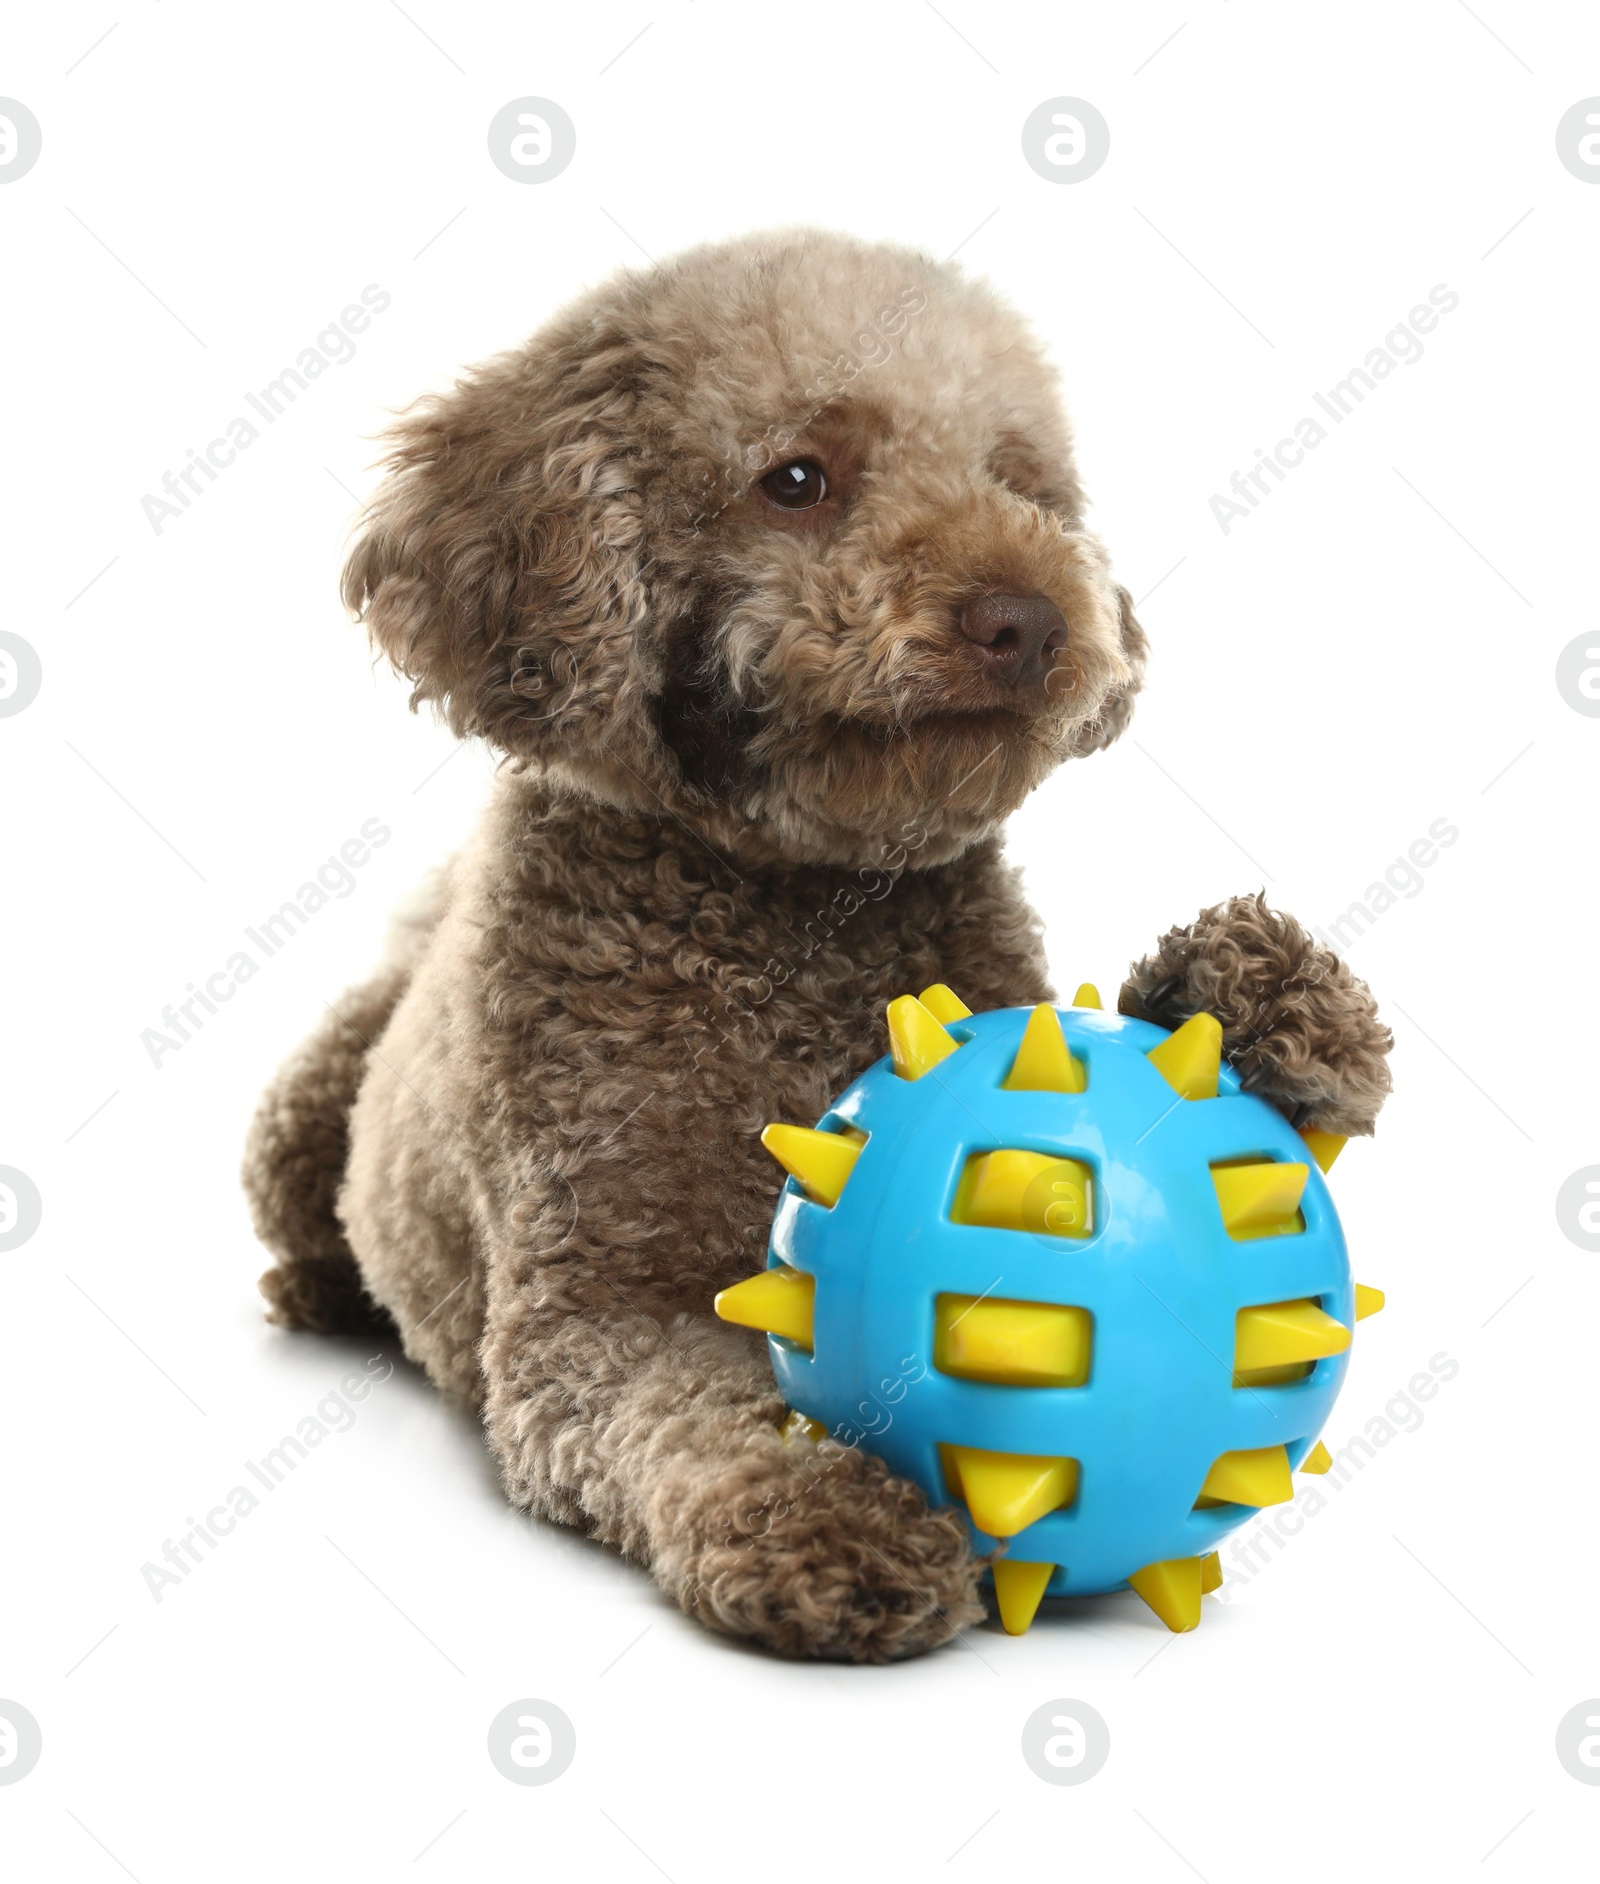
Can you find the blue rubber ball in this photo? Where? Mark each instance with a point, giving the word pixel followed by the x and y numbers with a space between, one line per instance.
pixel 1054 1266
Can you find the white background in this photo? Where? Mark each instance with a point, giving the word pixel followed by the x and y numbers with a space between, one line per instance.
pixel 1367 652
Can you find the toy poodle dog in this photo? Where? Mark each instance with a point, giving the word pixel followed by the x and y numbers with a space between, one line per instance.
pixel 766 571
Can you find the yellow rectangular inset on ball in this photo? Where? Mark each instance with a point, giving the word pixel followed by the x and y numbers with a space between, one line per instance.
pixel 1026 1190
pixel 1012 1344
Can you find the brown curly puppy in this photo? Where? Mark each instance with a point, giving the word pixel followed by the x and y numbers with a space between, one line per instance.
pixel 766 570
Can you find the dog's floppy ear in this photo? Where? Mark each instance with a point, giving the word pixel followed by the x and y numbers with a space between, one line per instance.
pixel 498 566
pixel 1111 721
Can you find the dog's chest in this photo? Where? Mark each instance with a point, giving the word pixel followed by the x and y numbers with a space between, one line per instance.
pixel 763 998
pixel 794 991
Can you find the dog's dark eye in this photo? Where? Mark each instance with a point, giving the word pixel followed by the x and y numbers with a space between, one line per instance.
pixel 797 486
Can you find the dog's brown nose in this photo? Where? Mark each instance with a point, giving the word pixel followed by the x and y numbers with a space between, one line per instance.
pixel 1019 635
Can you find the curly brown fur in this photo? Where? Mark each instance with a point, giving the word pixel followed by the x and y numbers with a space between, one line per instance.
pixel 758 763
pixel 829 1547
pixel 608 1017
pixel 294 1164
pixel 298 1144
pixel 1297 1026
pixel 574 559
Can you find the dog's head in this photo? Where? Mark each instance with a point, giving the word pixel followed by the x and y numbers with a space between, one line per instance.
pixel 783 537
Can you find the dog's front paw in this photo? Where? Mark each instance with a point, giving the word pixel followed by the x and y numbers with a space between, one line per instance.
pixel 1297 1026
pixel 825 1554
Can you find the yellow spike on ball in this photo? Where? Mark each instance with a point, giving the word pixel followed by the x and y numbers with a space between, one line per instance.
pixel 1281 1333
pixel 819 1162
pixel 1172 1590
pixel 944 1005
pixel 1019 1589
pixel 1044 1062
pixel 1324 1147
pixel 916 1040
pixel 1190 1059
pixel 1008 1491
pixel 1257 1476
pixel 779 1302
pixel 1368 1301
pixel 1260 1199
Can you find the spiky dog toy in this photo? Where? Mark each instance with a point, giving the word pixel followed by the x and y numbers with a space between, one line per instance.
pixel 1054 1265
